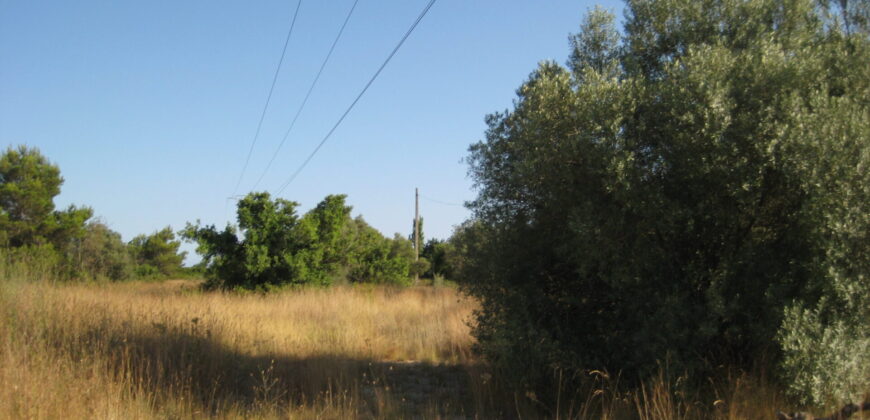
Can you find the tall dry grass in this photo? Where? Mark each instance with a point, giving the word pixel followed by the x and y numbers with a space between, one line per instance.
pixel 167 350
pixel 149 350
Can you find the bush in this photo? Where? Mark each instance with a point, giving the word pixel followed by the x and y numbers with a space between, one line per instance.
pixel 380 260
pixel 33 263
pixel 694 189
pixel 280 248
pixel 157 255
pixel 100 254
pixel 818 353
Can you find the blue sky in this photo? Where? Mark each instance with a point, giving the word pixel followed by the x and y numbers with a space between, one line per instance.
pixel 149 108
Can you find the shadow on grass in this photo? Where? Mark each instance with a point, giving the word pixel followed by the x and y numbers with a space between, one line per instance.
pixel 166 361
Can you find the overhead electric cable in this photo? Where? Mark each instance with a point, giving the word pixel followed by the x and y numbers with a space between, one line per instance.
pixel 268 98
pixel 347 111
pixel 444 203
pixel 307 95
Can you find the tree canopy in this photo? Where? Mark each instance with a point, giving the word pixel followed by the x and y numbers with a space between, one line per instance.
pixel 274 246
pixel 695 189
pixel 157 254
pixel 28 185
pixel 100 254
pixel 74 245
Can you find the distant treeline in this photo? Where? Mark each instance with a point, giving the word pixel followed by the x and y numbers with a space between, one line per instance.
pixel 271 247
pixel 71 241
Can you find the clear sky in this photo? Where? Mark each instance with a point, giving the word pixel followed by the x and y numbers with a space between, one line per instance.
pixel 149 107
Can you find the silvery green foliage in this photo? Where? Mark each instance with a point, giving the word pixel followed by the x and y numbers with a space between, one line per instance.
pixel 824 362
pixel 675 193
pixel 825 342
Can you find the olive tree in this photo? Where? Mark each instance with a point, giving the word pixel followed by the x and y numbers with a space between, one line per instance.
pixel 693 189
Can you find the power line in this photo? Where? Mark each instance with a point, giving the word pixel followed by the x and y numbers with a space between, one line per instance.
pixel 347 111
pixel 445 203
pixel 268 98
pixel 307 95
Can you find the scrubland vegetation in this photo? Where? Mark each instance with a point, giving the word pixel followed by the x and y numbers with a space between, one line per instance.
pixel 673 225
pixel 143 350
pixel 79 246
pixel 692 190
pixel 168 350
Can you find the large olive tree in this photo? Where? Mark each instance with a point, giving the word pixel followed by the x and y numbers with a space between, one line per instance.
pixel 694 189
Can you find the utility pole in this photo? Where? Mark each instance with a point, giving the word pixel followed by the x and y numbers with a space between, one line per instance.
pixel 416 232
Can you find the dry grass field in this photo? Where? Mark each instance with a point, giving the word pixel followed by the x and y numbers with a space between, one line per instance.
pixel 168 351
pixel 151 350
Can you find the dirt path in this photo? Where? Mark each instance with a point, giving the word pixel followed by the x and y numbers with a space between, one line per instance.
pixel 421 390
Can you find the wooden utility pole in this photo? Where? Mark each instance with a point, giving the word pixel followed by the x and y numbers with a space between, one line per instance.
pixel 416 232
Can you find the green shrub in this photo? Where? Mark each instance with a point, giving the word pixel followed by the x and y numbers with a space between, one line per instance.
pixel 280 248
pixel 33 263
pixel 817 354
pixel 157 254
pixel 147 271
pixel 100 254
pixel 694 189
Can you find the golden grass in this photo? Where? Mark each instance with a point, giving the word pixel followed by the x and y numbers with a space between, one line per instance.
pixel 150 350
pixel 167 350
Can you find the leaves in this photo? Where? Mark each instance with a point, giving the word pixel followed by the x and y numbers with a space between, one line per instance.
pixel 28 185
pixel 675 192
pixel 277 247
pixel 157 253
